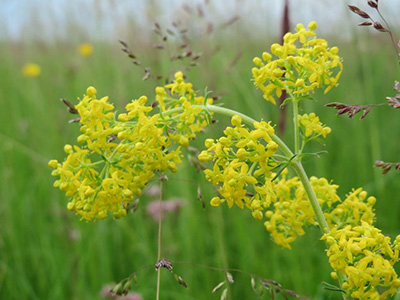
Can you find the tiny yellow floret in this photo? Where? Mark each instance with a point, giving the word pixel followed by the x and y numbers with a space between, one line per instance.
pixel 216 201
pixel 53 163
pixel 67 148
pixel 312 25
pixel 236 120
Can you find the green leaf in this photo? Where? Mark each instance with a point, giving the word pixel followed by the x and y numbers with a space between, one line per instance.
pixel 280 170
pixel 331 287
pixel 286 101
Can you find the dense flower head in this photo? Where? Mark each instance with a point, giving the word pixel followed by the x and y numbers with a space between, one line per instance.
pixel 182 126
pixel 356 208
pixel 299 66
pixel 292 211
pixel 119 154
pixel 366 257
pixel 242 165
pixel 243 168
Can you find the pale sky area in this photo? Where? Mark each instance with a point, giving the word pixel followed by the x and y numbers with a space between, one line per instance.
pixel 105 19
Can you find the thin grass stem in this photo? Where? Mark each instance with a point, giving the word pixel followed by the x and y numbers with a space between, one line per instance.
pixel 159 241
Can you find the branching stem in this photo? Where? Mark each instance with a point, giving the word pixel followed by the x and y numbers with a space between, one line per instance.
pixel 296 126
pixel 295 163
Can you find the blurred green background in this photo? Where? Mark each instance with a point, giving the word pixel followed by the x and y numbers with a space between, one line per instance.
pixel 47 253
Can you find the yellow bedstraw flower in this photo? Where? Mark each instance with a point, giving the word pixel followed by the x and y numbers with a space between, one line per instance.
pixel 243 169
pixel 31 70
pixel 103 175
pixel 241 164
pixel 85 49
pixel 182 125
pixel 302 64
pixel 120 154
pixel 292 210
pixel 367 258
pixel 311 125
pixel 354 209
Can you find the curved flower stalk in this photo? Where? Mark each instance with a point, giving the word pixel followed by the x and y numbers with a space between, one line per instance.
pixel 290 203
pixel 119 154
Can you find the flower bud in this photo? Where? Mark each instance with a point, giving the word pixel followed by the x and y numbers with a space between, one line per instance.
pixel 216 201
pixel 53 163
pixel 236 120
pixel 91 91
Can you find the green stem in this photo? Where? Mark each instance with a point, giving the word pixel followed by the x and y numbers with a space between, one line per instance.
pixel 159 242
pixel 246 119
pixel 296 165
pixel 296 125
pixel 319 215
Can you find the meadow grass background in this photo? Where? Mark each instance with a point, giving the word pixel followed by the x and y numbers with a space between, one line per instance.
pixel 47 253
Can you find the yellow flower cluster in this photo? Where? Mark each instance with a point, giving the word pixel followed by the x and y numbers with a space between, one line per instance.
pixel 292 209
pixel 182 126
pixel 302 64
pixel 242 164
pixel 310 125
pixel 243 167
pixel 367 258
pixel 355 208
pixel 360 251
pixel 120 154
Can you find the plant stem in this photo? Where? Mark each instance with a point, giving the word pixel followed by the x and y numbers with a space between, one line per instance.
pixel 296 125
pixel 296 165
pixel 250 121
pixel 319 215
pixel 159 242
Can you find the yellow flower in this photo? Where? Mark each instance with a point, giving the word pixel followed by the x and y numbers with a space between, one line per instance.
pixel 119 154
pixel 85 49
pixel 182 126
pixel 31 70
pixel 242 166
pixel 302 64
pixel 291 211
pixel 366 257
pixel 311 125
